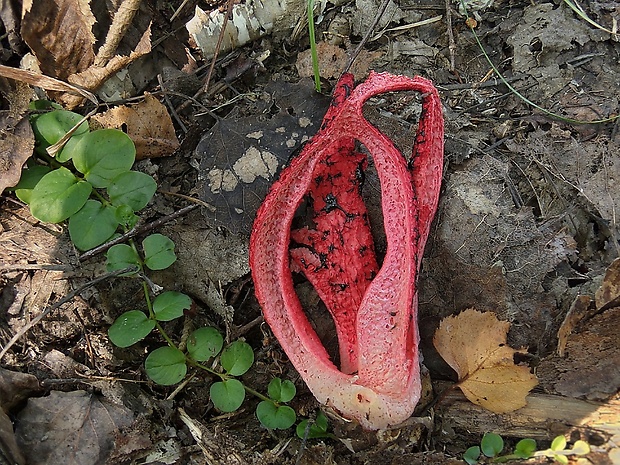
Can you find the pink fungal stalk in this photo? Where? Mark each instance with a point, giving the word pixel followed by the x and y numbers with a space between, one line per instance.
pixel 374 308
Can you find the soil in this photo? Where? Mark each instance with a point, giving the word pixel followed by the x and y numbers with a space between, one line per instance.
pixel 526 228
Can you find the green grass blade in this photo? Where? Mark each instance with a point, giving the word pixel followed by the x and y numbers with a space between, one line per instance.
pixel 313 52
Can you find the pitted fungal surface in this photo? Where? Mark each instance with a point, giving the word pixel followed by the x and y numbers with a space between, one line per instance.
pixel 374 308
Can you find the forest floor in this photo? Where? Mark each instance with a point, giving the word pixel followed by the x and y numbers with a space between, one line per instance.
pixel 527 228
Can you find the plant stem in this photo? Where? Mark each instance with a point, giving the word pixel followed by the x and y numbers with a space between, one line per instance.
pixel 196 364
pixel 258 394
pixel 506 458
pixel 165 335
pixel 313 52
pixel 103 200
pixel 149 305
pixel 51 160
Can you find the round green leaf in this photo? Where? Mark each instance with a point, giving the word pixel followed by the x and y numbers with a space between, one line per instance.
pixel 50 127
pixel 204 343
pixel 158 252
pixel 228 395
pixel 132 188
pixel 121 256
pixel 525 448
pixel 580 448
pixel 471 455
pixel 126 216
pixel 69 149
pixel 281 391
pixel 129 328
pixel 559 443
pixel 43 105
pixel 492 444
pixel 92 225
pixel 58 195
pixel 170 305
pixel 102 155
pixel 273 416
pixel 318 428
pixel 237 358
pixel 30 178
pixel 166 365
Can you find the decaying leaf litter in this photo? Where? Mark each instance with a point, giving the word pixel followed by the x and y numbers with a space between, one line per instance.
pixel 526 226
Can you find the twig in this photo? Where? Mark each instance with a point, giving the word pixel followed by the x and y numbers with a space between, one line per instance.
pixel 121 22
pixel 53 150
pixel 135 231
pixel 220 39
pixel 62 301
pixel 357 51
pixel 407 27
pixel 480 85
pixel 175 115
pixel 493 99
pixel 451 42
pixel 45 82
pixel 33 266
pixel 242 330
pixel 178 10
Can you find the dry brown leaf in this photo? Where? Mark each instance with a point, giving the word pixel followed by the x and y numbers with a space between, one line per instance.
pixel 148 124
pixel 332 61
pixel 579 309
pixel 15 387
pixel 608 295
pixel 94 77
pixel 474 344
pixel 17 141
pixel 79 428
pixel 59 33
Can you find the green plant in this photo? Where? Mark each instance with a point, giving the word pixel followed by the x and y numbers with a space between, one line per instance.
pixel 270 412
pixel 90 183
pixel 313 51
pixel 492 445
pixel 169 364
pixel 308 429
pixel 559 453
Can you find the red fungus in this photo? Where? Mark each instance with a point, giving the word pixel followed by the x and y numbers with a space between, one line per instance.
pixel 374 309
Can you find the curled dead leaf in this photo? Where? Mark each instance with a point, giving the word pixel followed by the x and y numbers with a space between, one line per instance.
pixel 608 295
pixel 17 140
pixel 333 60
pixel 580 309
pixel 148 124
pixel 474 345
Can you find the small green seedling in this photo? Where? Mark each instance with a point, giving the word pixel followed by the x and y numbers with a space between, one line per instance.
pixel 313 50
pixel 492 445
pixel 308 429
pixel 90 184
pixel 560 453
pixel 270 412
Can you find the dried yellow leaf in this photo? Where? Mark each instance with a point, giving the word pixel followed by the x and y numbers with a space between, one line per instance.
pixel 147 123
pixel 474 344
